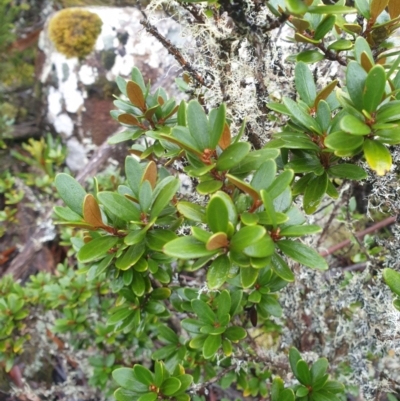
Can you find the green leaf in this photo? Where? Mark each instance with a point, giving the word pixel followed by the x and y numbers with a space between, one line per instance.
pixel 355 81
pixel 354 126
pixel 388 112
pixel 333 386
pixel 126 378
pixel 281 268
pixel 299 116
pixel 198 125
pixel 331 10
pixel 170 386
pixel 302 391
pixel 217 124
pixel 343 142
pixel 119 206
pixel 157 238
pixel 137 77
pixel 363 8
pixel 300 230
pixel 260 249
pixel 67 214
pixel 71 192
pixel 314 193
pixel 280 183
pixel 135 237
pixel 305 85
pixel 340 45
pixel 232 155
pixel 134 173
pixel 378 156
pixel 211 346
pixel 203 311
pixel 235 333
pixel 191 211
pixel 248 276
pixel 309 56
pixel 130 257
pixel 151 396
pixel 324 27
pixel 218 272
pixel 270 305
pixel 296 6
pixel 96 248
pixel 209 187
pixel 392 279
pixel 165 195
pixel 348 171
pixel 389 136
pixel 302 254
pixel 145 196
pixel 318 369
pixel 143 375
pixel 294 357
pixel 217 215
pixel 303 373
pixel 187 248
pixel 374 88
pixel 246 236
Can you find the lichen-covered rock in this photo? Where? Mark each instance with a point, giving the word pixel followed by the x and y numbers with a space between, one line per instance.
pixel 74 31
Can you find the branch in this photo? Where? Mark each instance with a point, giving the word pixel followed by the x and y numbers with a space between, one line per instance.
pixel 360 235
pixel 174 51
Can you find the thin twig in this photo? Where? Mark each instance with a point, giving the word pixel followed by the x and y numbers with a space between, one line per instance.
pixel 361 234
pixel 174 51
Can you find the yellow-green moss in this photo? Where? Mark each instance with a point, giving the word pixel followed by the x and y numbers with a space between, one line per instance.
pixel 74 31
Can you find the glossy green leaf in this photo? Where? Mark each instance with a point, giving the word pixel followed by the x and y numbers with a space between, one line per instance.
pixel 280 183
pixel 302 254
pixel 191 211
pixel 348 171
pixel 378 156
pixel 340 45
pixel 305 85
pixel 281 268
pixel 318 369
pixel 301 117
pixel 388 112
pixel 270 306
pixel 324 27
pixel 217 124
pixel 392 279
pixel 217 215
pixel 96 248
pixel 211 346
pixel 298 231
pixel 151 396
pixel 119 206
pixel 374 88
pixel 198 125
pixel 248 276
pixel 126 378
pixel 355 81
pixel 309 56
pixel 131 255
pixel 67 214
pixel 232 155
pixel 363 8
pixel 314 193
pixel 71 192
pixel 389 136
pixel 218 272
pixel 170 386
pixel 302 391
pixel 296 6
pixel 260 249
pixel 303 373
pixel 354 126
pixel 209 187
pixel 294 357
pixel 246 236
pixel 321 9
pixel 165 195
pixel 143 374
pixel 235 333
pixel 187 248
pixel 341 141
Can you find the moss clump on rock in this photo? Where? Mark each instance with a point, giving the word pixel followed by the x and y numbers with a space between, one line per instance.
pixel 74 31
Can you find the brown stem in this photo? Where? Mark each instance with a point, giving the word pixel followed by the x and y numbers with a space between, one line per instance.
pixel 361 234
pixel 173 50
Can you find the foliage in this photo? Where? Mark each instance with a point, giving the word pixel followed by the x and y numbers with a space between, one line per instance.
pixel 74 31
pixel 241 231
